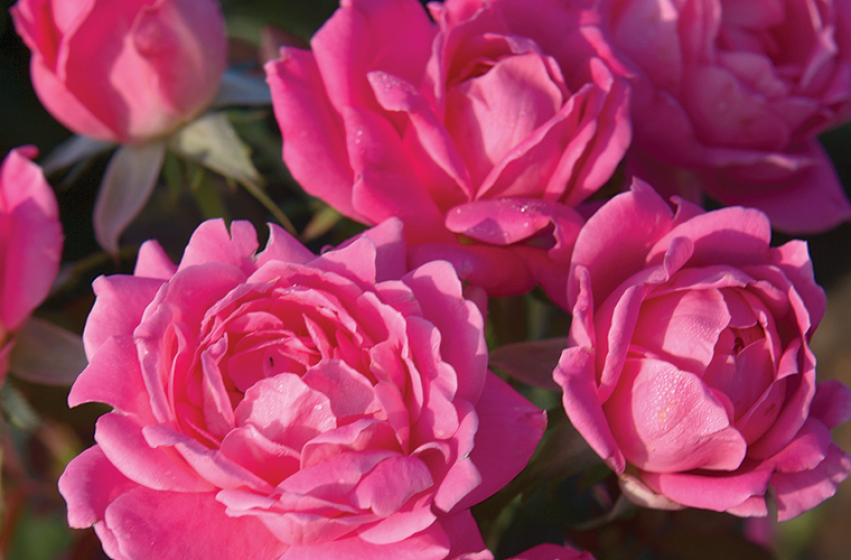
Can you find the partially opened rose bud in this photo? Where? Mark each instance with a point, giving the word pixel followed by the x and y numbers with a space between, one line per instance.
pixel 688 367
pixel 30 244
pixel 124 71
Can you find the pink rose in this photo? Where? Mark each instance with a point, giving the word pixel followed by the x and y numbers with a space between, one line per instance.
pixel 729 98
pixel 30 244
pixel 281 405
pixel 123 71
pixel 688 367
pixel 480 129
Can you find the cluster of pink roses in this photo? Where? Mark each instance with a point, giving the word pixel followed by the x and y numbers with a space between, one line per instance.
pixel 284 405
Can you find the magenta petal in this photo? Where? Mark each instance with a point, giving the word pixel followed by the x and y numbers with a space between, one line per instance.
pixel 283 247
pixel 152 262
pixel 390 35
pixel 32 244
pixel 501 221
pixel 121 301
pixel 802 491
pixel 314 149
pixel 666 420
pixel 793 258
pixel 502 271
pixel 390 484
pixel 832 403
pixel 138 518
pixel 387 184
pixel 733 236
pixel 683 327
pixel 89 484
pixel 355 261
pixel 212 243
pixel 121 440
pixel 615 240
pixel 464 537
pixel 810 200
pixel 716 493
pixel 506 421
pixel 806 451
pixel 575 374
pixel 390 251
pixel 429 544
pixel 439 162
pixel 99 382
pixel 439 292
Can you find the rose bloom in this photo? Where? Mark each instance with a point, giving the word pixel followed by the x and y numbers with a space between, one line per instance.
pixel 480 129
pixel 730 95
pixel 30 244
pixel 123 71
pixel 281 405
pixel 688 367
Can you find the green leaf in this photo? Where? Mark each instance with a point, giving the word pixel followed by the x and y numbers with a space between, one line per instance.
pixel 212 142
pixel 46 353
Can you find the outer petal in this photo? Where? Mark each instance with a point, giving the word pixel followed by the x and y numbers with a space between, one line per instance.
pixel 32 238
pixel 802 491
pixel 120 303
pixel 810 200
pixel 390 35
pixel 506 421
pixel 614 242
pixel 716 493
pixel 438 291
pixel 89 484
pixel 144 523
pixel 314 146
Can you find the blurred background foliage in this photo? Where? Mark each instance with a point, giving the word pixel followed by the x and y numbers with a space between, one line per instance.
pixel 40 434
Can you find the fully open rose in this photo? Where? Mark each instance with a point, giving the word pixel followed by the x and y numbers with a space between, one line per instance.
pixel 123 71
pixel 730 95
pixel 480 129
pixel 281 405
pixel 30 244
pixel 688 367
